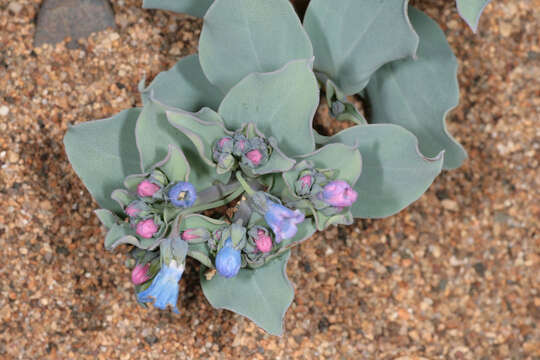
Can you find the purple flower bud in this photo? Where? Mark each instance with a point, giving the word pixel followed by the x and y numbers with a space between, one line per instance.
pixel 132 210
pixel 228 260
pixel 182 194
pixel 255 157
pixel 139 274
pixel 190 234
pixel 146 228
pixel 147 188
pixel 282 220
pixel 263 241
pixel 339 194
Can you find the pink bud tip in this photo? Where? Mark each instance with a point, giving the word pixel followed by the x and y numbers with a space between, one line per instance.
pixel 223 141
pixel 189 235
pixel 146 228
pixel 132 211
pixel 263 242
pixel 146 188
pixel 254 156
pixel 306 180
pixel 139 274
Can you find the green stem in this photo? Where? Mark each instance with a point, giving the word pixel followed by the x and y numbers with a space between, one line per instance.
pixel 244 184
pixel 207 206
pixel 218 203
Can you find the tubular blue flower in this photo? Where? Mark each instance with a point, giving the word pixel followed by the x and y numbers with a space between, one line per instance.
pixel 338 193
pixel 282 220
pixel 228 260
pixel 164 288
pixel 182 194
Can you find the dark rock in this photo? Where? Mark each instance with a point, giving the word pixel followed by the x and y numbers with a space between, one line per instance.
pixel 323 324
pixel 151 339
pixel 76 19
pixel 480 268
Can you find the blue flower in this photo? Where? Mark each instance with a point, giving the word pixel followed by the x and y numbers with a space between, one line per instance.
pixel 164 288
pixel 182 194
pixel 282 220
pixel 228 260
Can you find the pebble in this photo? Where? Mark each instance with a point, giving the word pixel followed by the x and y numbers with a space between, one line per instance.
pixel 4 110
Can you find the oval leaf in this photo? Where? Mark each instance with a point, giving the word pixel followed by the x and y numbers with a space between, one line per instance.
pixel 154 134
pixel 282 104
pixel 352 38
pixel 262 295
pixel 184 86
pixel 192 7
pixel 103 153
pixel 394 173
pixel 239 37
pixel 418 94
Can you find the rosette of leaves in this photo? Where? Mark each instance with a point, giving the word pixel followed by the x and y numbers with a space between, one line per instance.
pixel 245 106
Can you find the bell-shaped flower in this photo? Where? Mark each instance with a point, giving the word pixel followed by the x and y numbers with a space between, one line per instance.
pixel 182 194
pixel 338 193
pixel 164 288
pixel 228 260
pixel 282 220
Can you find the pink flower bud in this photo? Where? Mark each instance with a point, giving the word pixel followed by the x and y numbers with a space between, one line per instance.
pixel 263 241
pixel 189 234
pixel 146 188
pixel 140 274
pixel 255 157
pixel 132 210
pixel 306 180
pixel 146 228
pixel 224 141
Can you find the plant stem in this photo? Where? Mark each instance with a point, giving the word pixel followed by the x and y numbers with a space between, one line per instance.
pixel 244 184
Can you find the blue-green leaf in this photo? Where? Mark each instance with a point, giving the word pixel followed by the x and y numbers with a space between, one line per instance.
pixel 192 7
pixel 262 295
pixel 346 159
pixel 240 37
pixel 103 153
pixel 281 103
pixel 471 10
pixel 353 38
pixel 154 134
pixel 394 172
pixel 418 94
pixel 107 217
pixel 202 132
pixel 184 86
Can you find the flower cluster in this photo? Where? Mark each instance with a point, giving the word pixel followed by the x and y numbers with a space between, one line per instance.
pixel 226 165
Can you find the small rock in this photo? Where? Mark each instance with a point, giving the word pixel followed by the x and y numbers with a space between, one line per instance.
pixel 323 324
pixel 151 339
pixel 15 7
pixel 76 19
pixel 480 268
pixel 450 205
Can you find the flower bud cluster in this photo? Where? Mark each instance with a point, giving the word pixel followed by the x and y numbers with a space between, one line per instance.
pixel 251 152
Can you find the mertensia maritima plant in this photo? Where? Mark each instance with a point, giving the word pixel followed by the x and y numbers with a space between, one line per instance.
pixel 222 162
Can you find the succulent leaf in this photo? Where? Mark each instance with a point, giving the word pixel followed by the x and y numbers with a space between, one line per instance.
pixel 418 94
pixel 239 37
pixel 352 39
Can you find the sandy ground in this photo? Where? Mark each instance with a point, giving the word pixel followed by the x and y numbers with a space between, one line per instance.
pixel 455 276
